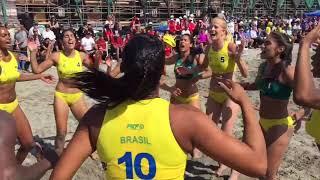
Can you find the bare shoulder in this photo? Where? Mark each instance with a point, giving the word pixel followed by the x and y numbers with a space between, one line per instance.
pixel 55 57
pixel 289 71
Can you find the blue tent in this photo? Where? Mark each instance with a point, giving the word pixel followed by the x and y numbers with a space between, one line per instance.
pixel 315 13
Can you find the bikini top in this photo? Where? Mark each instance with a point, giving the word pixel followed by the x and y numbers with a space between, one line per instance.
pixel 9 70
pixel 188 64
pixel 271 87
pixel 67 66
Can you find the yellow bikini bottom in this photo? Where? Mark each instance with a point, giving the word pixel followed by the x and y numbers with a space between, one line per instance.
pixel 187 100
pixel 266 124
pixel 219 97
pixel 9 107
pixel 69 98
pixel 313 126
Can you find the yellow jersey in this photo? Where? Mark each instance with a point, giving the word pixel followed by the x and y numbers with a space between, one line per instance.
pixel 136 142
pixel 9 70
pixel 268 30
pixel 313 125
pixel 220 62
pixel 67 66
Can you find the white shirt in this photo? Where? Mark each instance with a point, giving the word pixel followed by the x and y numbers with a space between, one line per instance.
pixel 183 32
pixel 253 34
pixel 231 27
pixel 31 31
pixel 48 34
pixel 87 43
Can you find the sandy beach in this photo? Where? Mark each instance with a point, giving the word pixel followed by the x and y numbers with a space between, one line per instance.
pixel 302 160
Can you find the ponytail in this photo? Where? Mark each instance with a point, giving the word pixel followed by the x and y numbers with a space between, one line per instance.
pixel 142 65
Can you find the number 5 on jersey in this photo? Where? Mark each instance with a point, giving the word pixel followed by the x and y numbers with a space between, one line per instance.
pixel 222 59
pixel 136 165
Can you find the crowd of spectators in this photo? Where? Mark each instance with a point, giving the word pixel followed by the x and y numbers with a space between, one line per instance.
pixel 112 39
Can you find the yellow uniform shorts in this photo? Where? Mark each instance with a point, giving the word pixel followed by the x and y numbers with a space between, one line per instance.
pixel 9 107
pixel 266 124
pixel 219 97
pixel 69 98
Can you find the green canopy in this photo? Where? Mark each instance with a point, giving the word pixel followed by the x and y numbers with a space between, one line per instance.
pixel 252 3
pixel 4 8
pixel 78 10
pixel 309 3
pixel 192 6
pixel 280 3
pixel 235 3
pixel 109 3
pixel 318 2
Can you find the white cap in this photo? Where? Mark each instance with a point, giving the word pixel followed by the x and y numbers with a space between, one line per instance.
pixel 150 23
pixel 191 15
pixel 185 32
pixel 222 12
pixel 185 16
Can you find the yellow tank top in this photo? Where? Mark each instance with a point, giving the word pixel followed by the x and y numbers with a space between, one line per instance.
pixel 9 70
pixel 313 125
pixel 67 67
pixel 220 62
pixel 229 38
pixel 268 30
pixel 136 142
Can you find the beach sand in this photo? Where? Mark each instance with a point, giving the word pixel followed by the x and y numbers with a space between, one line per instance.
pixel 302 160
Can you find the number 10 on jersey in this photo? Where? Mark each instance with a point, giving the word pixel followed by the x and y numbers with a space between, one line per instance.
pixel 135 165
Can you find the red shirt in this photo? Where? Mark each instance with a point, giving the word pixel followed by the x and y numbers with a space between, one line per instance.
pixel 172 26
pixel 178 27
pixel 183 24
pixel 152 33
pixel 108 34
pixel 167 51
pixel 101 43
pixel 192 26
pixel 117 41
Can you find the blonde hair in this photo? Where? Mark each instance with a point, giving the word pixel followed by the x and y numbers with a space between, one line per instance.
pixel 222 23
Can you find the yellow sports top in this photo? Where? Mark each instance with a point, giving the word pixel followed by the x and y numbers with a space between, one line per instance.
pixel 67 66
pixel 136 142
pixel 9 70
pixel 313 125
pixel 220 62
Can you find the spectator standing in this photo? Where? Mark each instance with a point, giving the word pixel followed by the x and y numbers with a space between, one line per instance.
pixel 48 33
pixel 31 30
pixel 88 44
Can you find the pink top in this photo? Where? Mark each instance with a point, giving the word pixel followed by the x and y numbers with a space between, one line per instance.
pixel 203 38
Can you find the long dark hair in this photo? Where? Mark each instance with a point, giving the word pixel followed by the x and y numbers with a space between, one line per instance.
pixel 142 65
pixel 285 41
pixel 193 50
